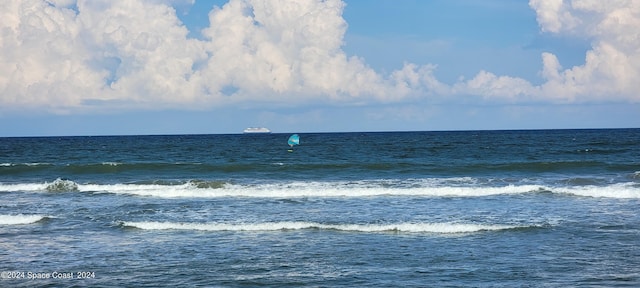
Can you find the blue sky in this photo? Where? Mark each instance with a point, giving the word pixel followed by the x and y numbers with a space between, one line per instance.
pixel 182 67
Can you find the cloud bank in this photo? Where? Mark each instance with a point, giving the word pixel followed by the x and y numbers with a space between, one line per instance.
pixel 612 66
pixel 67 56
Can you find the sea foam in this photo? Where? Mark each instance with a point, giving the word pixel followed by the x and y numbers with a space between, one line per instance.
pixel 618 190
pixel 304 189
pixel 20 219
pixel 438 228
pixel 299 189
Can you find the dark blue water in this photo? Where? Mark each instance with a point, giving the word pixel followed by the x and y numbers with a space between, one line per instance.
pixel 479 208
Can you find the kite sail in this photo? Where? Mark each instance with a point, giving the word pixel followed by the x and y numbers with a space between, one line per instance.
pixel 293 140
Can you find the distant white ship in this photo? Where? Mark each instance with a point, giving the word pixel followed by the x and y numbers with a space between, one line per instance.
pixel 254 130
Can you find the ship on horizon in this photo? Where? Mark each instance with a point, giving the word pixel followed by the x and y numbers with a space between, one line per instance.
pixel 256 130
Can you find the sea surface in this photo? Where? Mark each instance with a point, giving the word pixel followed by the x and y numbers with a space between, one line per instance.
pixel 535 208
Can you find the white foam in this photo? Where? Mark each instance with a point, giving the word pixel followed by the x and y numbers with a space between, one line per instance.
pixel 439 228
pixel 56 185
pixel 286 190
pixel 444 187
pixel 619 190
pixel 24 164
pixel 187 190
pixel 303 189
pixel 19 219
pixel 23 187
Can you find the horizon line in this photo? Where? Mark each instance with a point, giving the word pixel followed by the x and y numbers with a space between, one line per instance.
pixel 323 132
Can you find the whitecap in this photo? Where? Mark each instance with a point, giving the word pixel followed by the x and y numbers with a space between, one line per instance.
pixel 58 185
pixel 62 185
pixel 22 187
pixel 37 164
pixel 436 228
pixel 299 189
pixel 619 190
pixel 20 219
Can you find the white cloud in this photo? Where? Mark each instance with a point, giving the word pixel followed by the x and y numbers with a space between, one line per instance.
pixel 290 50
pixel 554 16
pixel 111 54
pixel 40 64
pixel 66 56
pixel 122 52
pixel 490 86
pixel 611 67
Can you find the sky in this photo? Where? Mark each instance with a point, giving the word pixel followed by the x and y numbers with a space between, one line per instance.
pixel 140 67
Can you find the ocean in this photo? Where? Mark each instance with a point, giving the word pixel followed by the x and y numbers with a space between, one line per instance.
pixel 532 208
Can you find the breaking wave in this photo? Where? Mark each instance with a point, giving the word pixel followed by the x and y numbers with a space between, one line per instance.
pixel 20 219
pixel 62 185
pixel 449 187
pixel 437 228
pixel 618 190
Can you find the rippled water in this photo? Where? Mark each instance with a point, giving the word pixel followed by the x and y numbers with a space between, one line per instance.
pixel 480 208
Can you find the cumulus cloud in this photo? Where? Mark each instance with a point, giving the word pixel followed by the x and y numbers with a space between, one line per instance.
pixel 611 69
pixel 284 47
pixel 66 56
pixel 118 52
pixel 291 51
pixel 612 65
pixel 491 86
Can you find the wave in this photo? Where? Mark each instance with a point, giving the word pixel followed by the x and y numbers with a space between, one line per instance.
pixel 438 228
pixel 111 167
pixel 19 168
pixel 618 190
pixel 58 185
pixel 34 164
pixel 62 185
pixel 20 219
pixel 399 165
pixel 438 187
